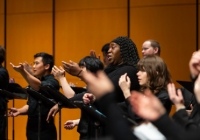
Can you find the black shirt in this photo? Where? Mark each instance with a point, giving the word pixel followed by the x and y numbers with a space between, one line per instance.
pixel 33 103
pixel 48 130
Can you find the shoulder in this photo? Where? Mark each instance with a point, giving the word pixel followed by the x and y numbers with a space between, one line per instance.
pixel 50 80
pixel 163 94
pixel 3 70
pixel 126 69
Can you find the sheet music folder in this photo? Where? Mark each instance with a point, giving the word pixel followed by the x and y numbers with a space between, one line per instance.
pixel 58 97
pixel 38 96
pixel 187 85
pixel 97 115
pixel 78 89
pixel 10 95
pixel 17 90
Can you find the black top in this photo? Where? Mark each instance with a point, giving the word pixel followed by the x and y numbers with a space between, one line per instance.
pixel 115 72
pixel 33 103
pixel 164 98
pixel 48 130
pixel 4 81
pixel 181 118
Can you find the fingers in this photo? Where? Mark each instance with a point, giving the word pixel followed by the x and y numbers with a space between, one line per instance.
pixel 171 90
pixel 66 66
pixel 179 93
pixel 69 124
pixel 12 64
pixel 87 98
pixel 61 68
pixel 49 116
pixel 191 107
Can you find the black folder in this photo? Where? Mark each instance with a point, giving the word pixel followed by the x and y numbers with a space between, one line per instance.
pixel 97 115
pixel 38 96
pixel 187 85
pixel 17 90
pixel 10 95
pixel 78 89
pixel 57 96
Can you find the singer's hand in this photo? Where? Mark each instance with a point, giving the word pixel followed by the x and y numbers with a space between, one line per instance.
pixel 88 98
pixel 13 112
pixel 52 112
pixel 70 124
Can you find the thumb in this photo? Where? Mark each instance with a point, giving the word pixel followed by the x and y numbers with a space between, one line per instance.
pixel 191 106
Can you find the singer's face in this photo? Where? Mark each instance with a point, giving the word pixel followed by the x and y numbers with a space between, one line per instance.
pixel 147 49
pixel 114 56
pixel 142 77
pixel 38 68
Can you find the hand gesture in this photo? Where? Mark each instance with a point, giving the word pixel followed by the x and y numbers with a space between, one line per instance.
pixel 197 88
pixel 125 84
pixel 93 54
pixel 175 97
pixel 52 112
pixel 58 73
pixel 146 105
pixel 88 98
pixel 72 68
pixel 28 67
pixel 19 68
pixel 190 111
pixel 13 112
pixel 194 64
pixel 70 124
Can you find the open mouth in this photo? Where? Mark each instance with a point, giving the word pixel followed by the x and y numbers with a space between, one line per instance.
pixel 109 57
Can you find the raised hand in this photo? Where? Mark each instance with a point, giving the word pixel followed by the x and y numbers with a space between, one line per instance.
pixel 194 64
pixel 88 98
pixel 146 105
pixel 28 67
pixel 13 112
pixel 175 97
pixel 19 68
pixel 93 54
pixel 125 84
pixel 72 68
pixel 197 88
pixel 58 73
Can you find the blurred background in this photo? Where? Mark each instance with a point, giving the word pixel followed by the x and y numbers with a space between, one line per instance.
pixel 69 29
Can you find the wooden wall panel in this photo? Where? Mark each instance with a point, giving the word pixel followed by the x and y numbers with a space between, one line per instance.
pixel 62 5
pixel 79 31
pixel 2 22
pixel 174 27
pixel 2 29
pixel 28 6
pixel 144 3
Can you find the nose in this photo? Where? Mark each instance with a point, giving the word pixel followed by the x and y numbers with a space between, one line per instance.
pixel 142 51
pixel 138 73
pixel 109 50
